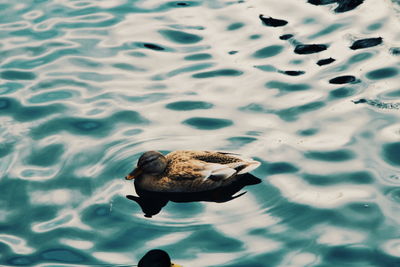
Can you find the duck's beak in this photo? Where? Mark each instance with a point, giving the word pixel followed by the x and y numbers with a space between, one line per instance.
pixel 134 174
pixel 175 265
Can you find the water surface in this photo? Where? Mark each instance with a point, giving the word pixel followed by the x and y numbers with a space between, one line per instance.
pixel 87 86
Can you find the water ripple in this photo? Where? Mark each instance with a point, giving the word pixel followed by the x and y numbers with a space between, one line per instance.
pixel 309 89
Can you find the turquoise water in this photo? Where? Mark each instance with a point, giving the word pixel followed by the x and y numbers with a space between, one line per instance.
pixel 87 86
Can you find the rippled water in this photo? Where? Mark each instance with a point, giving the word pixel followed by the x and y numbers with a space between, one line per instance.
pixel 87 86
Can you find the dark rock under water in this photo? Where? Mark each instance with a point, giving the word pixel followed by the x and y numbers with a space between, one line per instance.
pixel 395 51
pixel 377 103
pixel 286 36
pixel 343 5
pixel 153 46
pixel 293 72
pixel 325 61
pixel 304 49
pixel 271 22
pixel 365 43
pixel 347 5
pixel 343 79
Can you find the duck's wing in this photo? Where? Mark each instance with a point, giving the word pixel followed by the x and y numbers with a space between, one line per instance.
pixel 217 172
pixel 199 170
pixel 195 175
pixel 206 168
pixel 209 171
pixel 234 161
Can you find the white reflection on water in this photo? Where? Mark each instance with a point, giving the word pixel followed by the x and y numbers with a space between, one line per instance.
pixel 78 244
pixel 168 239
pixel 300 259
pixel 335 236
pixel 115 258
pixel 299 191
pixel 56 197
pixel 18 245
pixel 392 247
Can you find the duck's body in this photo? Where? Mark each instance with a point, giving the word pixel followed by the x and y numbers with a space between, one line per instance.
pixel 189 171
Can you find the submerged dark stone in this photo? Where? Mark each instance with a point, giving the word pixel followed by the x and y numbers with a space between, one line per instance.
pixel 293 72
pixel 395 51
pixel 321 2
pixel 286 36
pixel 365 43
pixel 362 100
pixel 343 79
pixel 325 61
pixel 347 5
pixel 153 46
pixel 271 22
pixel 343 5
pixel 304 49
pixel 378 103
pixel 182 4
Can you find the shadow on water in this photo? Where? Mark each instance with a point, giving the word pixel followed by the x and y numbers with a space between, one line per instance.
pixel 152 203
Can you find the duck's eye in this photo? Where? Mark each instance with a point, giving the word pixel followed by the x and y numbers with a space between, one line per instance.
pixel 150 158
pixel 147 160
pixel 147 157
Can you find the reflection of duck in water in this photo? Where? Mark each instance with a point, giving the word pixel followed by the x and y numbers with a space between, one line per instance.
pixel 187 176
pixel 152 202
pixel 156 258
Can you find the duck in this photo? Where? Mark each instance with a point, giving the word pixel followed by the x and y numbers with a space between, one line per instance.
pixel 187 171
pixel 156 258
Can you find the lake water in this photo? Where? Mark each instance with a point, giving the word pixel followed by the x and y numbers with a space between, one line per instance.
pixel 87 86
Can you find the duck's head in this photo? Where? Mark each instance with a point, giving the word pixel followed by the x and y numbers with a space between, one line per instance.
pixel 156 258
pixel 151 162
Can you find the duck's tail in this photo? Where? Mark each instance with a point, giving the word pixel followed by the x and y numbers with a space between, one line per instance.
pixel 248 166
